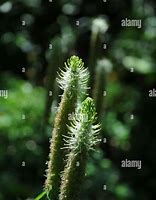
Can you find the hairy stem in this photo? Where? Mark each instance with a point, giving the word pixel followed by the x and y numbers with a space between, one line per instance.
pixel 56 156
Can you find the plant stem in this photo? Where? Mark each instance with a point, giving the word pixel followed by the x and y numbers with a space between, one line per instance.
pixel 56 156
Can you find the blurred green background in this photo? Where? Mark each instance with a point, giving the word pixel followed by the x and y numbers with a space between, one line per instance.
pixel 36 37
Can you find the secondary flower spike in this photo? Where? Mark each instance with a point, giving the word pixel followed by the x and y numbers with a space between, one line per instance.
pixel 83 137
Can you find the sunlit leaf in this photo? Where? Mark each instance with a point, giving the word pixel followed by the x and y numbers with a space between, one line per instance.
pixel 141 65
pixel 40 196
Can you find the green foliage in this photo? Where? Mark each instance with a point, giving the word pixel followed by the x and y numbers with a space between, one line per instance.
pixel 20 139
pixel 23 99
pixel 143 66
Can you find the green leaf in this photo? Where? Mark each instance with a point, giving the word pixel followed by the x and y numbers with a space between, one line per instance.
pixel 141 65
pixel 40 195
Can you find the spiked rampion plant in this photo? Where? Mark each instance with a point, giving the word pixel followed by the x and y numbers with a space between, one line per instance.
pixel 99 28
pixel 74 83
pixel 83 137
